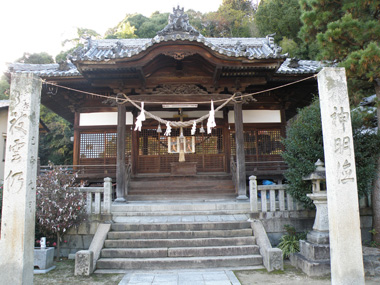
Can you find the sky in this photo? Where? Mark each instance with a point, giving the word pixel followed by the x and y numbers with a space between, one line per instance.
pixel 42 25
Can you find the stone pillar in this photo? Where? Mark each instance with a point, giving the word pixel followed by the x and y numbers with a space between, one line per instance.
pixel 19 196
pixel 120 163
pixel 343 206
pixel 240 155
pixel 107 196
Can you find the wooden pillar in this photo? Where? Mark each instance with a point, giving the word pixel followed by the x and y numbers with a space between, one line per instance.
pixel 240 155
pixel 76 140
pixel 120 159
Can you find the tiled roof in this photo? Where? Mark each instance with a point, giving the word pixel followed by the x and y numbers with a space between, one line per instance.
pixel 251 48
pixel 53 70
pixel 45 70
pixel 292 66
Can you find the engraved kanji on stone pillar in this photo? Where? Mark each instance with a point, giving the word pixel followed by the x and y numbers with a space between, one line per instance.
pixel 19 195
pixel 342 194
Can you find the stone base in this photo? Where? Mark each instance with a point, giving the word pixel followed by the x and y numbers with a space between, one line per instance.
pixel 43 271
pixel 311 268
pixel 84 263
pixel 314 252
pixel 183 168
pixel 318 237
pixel 313 259
pixel 43 258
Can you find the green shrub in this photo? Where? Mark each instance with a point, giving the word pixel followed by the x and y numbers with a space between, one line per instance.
pixel 290 242
pixel 304 146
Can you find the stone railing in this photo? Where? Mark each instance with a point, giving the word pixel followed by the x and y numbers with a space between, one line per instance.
pixel 94 197
pixel 270 198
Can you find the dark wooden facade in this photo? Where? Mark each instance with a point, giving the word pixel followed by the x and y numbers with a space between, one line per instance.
pixel 177 66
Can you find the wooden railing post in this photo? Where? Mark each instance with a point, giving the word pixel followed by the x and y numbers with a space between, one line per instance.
pixel 253 193
pixel 107 198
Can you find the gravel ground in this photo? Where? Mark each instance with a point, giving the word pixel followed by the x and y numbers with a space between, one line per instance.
pixel 64 274
pixel 290 276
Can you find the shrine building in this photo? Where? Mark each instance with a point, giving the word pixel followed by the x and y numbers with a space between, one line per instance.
pixel 175 79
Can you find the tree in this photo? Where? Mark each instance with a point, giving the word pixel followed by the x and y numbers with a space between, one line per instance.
pixel 36 58
pixel 58 208
pixel 72 44
pixel 137 25
pixel 347 31
pixel 304 146
pixel 55 145
pixel 4 88
pixel 280 17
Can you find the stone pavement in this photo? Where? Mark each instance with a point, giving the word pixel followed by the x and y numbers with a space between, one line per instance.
pixel 181 277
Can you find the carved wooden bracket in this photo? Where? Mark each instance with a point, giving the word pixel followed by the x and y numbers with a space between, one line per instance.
pixel 178 55
pixel 179 89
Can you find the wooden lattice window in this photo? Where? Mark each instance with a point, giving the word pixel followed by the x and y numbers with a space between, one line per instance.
pixel 259 142
pixel 102 144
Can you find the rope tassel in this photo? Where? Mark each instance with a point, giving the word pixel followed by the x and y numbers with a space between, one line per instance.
pixel 168 129
pixel 211 119
pixel 140 118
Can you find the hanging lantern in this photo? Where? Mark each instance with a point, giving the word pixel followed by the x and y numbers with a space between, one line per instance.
pixel 202 130
pixel 159 128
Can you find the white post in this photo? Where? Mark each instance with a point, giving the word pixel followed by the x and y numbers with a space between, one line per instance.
pixel 19 196
pixel 253 193
pixel 97 204
pixel 342 194
pixel 89 203
pixel 107 198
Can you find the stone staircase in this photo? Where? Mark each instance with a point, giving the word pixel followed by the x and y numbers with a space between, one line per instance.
pixel 179 235
pixel 151 187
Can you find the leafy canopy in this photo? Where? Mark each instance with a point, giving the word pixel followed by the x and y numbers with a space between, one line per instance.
pixel 304 146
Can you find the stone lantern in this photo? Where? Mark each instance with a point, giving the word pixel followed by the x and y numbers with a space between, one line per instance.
pixel 314 256
pixel 320 232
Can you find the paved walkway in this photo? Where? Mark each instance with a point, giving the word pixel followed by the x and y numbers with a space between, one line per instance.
pixel 181 277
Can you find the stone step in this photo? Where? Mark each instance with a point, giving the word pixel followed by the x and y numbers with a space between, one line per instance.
pixel 179 234
pixel 186 217
pixel 195 242
pixel 178 262
pixel 200 197
pixel 179 226
pixel 168 177
pixel 194 190
pixel 149 184
pixel 178 206
pixel 179 251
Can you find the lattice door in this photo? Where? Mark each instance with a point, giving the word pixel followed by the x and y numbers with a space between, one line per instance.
pixel 154 157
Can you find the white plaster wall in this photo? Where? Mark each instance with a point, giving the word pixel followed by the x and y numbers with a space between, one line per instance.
pixel 257 116
pixel 3 132
pixel 103 119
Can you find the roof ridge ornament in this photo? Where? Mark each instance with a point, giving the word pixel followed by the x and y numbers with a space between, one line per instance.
pixel 178 22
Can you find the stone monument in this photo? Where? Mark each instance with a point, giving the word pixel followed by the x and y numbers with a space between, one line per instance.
pixel 19 196
pixel 342 195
